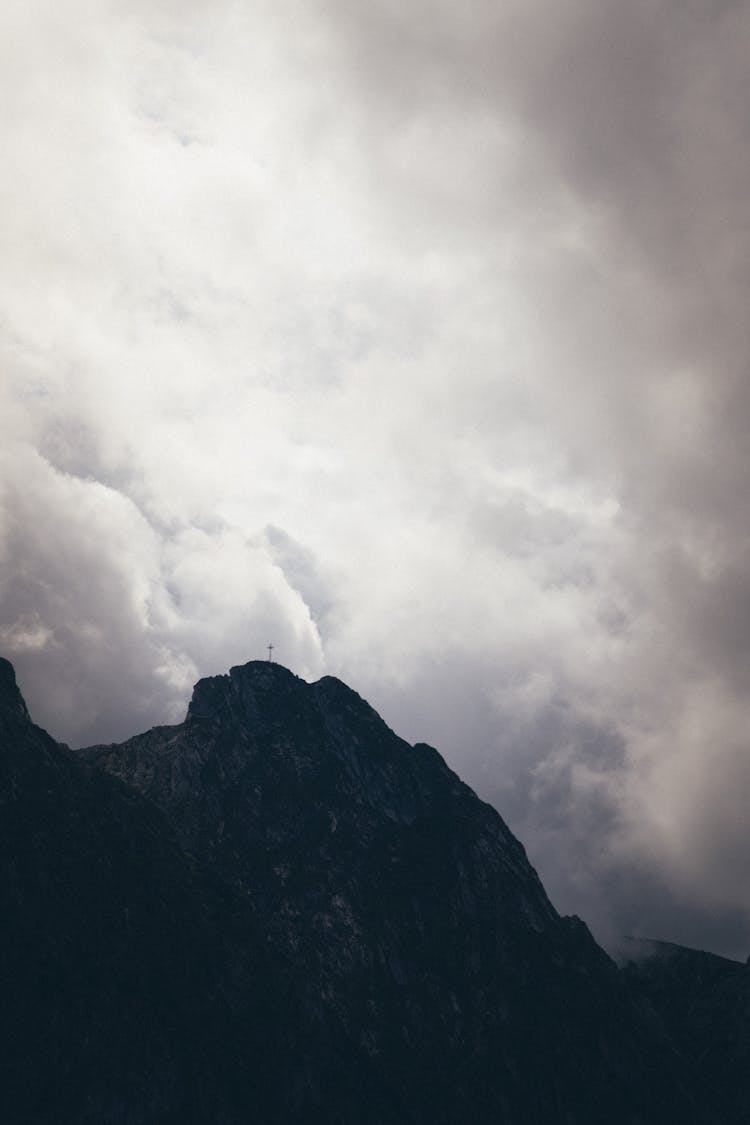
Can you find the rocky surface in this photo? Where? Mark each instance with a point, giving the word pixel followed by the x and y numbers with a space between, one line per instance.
pixel 704 1001
pixel 278 911
pixel 120 976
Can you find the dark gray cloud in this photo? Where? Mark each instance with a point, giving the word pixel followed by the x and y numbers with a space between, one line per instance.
pixel 414 340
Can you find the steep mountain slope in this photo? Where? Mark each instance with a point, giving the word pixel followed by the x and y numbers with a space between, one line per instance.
pixel 432 969
pixel 704 1001
pixel 279 912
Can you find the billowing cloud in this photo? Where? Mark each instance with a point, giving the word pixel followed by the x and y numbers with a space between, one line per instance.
pixel 414 341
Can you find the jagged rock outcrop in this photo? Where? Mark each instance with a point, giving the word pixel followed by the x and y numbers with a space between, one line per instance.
pixel 278 911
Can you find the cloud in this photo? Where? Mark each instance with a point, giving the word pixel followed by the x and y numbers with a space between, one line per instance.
pixel 113 620
pixel 414 341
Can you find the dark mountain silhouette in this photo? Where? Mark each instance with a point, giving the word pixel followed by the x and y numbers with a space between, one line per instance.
pixel 278 911
pixel 117 951
pixel 704 1002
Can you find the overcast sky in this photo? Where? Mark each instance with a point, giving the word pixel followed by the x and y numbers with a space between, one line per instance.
pixel 412 338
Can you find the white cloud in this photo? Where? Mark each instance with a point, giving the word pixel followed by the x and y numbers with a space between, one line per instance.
pixel 413 341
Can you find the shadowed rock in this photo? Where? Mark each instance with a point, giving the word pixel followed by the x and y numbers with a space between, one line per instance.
pixel 278 911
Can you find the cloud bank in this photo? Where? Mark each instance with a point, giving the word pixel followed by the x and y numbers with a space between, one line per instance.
pixel 414 341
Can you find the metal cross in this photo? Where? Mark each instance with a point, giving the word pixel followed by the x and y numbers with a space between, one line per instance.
pixel 270 650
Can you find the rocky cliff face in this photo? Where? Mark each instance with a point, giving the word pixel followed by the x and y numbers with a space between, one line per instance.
pixel 278 911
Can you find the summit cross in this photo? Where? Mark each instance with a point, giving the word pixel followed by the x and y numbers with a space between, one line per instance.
pixel 270 651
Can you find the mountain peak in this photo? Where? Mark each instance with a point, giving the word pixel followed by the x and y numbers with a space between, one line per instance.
pixel 268 671
pixel 350 932
pixel 258 677
pixel 13 710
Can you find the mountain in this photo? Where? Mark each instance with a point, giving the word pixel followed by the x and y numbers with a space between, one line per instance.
pixel 704 1002
pixel 117 951
pixel 278 911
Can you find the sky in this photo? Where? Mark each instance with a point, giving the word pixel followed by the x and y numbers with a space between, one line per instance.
pixel 412 339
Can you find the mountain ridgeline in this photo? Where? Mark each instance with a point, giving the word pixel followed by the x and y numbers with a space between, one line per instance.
pixel 278 912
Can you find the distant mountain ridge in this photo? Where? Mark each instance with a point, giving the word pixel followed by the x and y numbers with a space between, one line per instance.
pixel 278 911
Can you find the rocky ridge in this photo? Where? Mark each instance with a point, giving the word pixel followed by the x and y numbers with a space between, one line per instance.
pixel 280 910
pixel 704 1002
